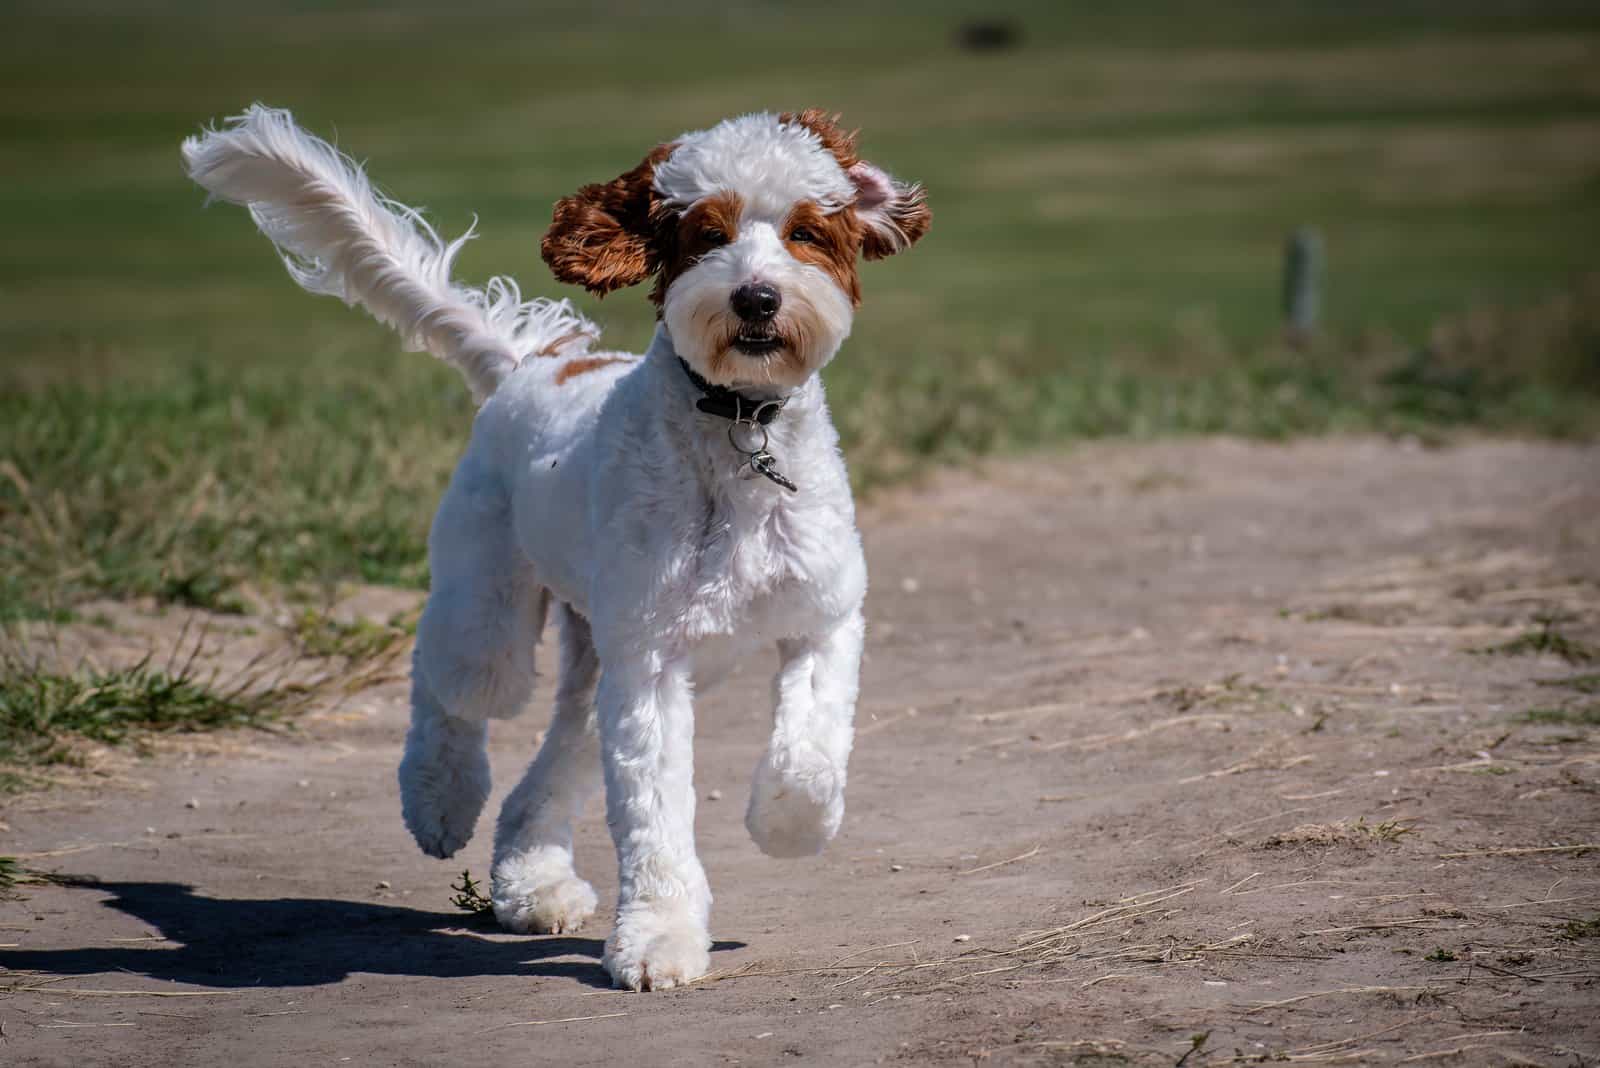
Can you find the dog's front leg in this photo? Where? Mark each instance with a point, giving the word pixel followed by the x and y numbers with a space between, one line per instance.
pixel 797 798
pixel 664 904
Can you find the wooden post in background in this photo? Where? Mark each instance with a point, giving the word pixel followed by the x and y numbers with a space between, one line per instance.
pixel 1302 285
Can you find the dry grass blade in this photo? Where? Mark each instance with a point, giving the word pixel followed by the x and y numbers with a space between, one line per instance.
pixel 1137 905
pixel 1343 1045
pixel 66 851
pixel 1522 851
pixel 1109 978
pixel 858 975
pixel 1259 761
pixel 1420 990
pixel 1100 741
pixel 86 993
pixel 562 1020
pixel 1002 863
pixel 1454 1051
pixel 1533 904
pixel 876 725
pixel 874 949
pixel 1038 949
pixel 1229 832
pixel 1415 922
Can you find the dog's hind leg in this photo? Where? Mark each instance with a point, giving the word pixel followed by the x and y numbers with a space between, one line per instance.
pixel 474 661
pixel 536 889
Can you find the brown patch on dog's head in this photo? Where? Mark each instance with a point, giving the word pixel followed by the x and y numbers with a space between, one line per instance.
pixel 893 214
pixel 709 224
pixel 827 241
pixel 835 138
pixel 608 235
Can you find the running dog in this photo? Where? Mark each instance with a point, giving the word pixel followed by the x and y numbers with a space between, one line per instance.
pixel 655 501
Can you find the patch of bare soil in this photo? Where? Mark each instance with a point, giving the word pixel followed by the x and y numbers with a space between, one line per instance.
pixel 1201 753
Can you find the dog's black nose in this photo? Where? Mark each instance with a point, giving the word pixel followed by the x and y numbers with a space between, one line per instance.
pixel 756 303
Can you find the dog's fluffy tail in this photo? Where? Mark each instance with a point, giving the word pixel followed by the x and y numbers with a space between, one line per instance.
pixel 339 237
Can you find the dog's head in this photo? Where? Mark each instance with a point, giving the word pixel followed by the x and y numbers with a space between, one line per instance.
pixel 752 230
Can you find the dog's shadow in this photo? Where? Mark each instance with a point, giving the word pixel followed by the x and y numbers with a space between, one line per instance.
pixel 287 942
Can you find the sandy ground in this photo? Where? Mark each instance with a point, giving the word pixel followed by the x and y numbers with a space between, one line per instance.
pixel 1156 742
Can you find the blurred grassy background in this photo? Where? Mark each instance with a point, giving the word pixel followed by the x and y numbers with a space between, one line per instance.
pixel 1110 200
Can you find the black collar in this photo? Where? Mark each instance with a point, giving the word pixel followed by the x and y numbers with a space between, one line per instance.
pixel 730 403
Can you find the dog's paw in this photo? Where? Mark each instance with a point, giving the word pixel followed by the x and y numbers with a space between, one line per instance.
pixel 444 782
pixel 441 808
pixel 531 897
pixel 656 946
pixel 442 842
pixel 796 802
pixel 442 815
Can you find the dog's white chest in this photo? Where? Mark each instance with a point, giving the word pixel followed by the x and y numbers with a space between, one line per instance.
pixel 769 574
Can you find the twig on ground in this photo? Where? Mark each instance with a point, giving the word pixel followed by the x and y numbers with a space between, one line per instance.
pixel 1002 863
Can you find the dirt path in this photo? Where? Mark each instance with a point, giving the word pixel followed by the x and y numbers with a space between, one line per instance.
pixel 1155 741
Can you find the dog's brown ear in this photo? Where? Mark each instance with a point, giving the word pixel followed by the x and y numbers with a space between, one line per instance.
pixel 605 236
pixel 894 214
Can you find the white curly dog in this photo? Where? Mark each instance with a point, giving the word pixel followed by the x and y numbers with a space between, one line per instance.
pixel 694 492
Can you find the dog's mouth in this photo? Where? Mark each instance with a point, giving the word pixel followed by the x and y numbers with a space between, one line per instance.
pixel 757 341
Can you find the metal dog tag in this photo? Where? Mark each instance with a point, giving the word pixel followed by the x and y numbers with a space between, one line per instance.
pixel 764 463
pixel 758 460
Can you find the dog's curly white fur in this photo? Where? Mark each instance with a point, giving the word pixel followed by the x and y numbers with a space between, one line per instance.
pixel 593 481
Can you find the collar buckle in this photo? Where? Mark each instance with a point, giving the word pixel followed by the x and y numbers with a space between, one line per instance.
pixel 732 405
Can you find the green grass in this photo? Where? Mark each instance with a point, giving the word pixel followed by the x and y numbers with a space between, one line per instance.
pixel 361 640
pixel 1587 683
pixel 46 714
pixel 1576 715
pixel 1547 639
pixel 1110 204
pixel 13 873
pixel 1382 831
pixel 469 896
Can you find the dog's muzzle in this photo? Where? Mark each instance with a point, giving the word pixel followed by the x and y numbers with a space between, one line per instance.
pixel 756 304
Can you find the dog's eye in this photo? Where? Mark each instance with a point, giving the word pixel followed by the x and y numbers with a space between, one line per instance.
pixel 802 235
pixel 713 236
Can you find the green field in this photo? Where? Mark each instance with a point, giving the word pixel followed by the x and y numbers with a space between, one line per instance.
pixel 1110 204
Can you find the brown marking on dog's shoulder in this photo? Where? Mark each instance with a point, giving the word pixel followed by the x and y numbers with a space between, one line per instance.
pixel 584 364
